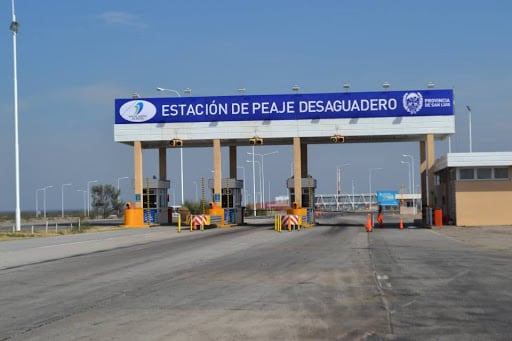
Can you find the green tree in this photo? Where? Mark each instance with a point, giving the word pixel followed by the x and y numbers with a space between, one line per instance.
pixel 105 200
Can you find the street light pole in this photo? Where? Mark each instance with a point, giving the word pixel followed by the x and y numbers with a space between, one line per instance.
pixel 338 183
pixel 470 138
pixel 253 182
pixel 170 90
pixel 14 28
pixel 244 201
pixel 412 178
pixel 118 180
pixel 89 195
pixel 84 193
pixel 195 183
pixel 409 172
pixel 370 183
pixel 187 91
pixel 62 197
pixel 37 201
pixel 263 172
pixel 44 200
pixel 412 170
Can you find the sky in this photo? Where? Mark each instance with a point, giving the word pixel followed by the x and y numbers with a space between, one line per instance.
pixel 75 57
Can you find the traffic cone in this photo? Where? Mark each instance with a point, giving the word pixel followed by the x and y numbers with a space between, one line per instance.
pixel 369 224
pixel 401 225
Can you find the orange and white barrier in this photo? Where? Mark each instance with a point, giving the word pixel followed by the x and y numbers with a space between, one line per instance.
pixel 288 221
pixel 200 220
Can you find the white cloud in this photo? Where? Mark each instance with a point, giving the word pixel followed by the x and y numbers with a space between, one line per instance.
pixel 122 19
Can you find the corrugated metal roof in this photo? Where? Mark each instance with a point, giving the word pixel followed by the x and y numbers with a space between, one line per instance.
pixel 481 159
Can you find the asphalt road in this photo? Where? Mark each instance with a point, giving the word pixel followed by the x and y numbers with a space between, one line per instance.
pixel 330 282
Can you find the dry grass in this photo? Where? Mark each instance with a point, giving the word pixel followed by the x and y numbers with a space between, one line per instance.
pixel 4 236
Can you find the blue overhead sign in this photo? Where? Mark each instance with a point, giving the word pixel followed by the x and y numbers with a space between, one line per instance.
pixel 285 107
pixel 387 198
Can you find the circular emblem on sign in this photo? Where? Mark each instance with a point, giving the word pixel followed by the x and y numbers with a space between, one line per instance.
pixel 413 102
pixel 137 111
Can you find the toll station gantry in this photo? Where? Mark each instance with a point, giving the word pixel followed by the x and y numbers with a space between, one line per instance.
pixel 297 119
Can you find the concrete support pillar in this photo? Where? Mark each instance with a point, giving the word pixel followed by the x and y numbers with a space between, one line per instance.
pixel 297 172
pixel 217 173
pixel 232 162
pixel 162 163
pixel 304 160
pixel 427 159
pixel 137 167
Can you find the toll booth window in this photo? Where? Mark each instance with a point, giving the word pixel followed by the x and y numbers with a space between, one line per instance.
pixel 152 198
pixel 227 201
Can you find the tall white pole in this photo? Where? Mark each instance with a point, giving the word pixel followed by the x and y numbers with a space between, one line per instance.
pixel 62 197
pixel 187 91
pixel 244 201
pixel 412 169
pixel 353 196
pixel 261 184
pixel 409 173
pixel 470 138
pixel 181 176
pixel 370 183
pixel 262 178
pixel 253 182
pixel 84 198
pixel 37 202
pixel 89 195
pixel 195 184
pixel 338 185
pixel 44 200
pixel 14 28
pixel 338 188
pixel 412 177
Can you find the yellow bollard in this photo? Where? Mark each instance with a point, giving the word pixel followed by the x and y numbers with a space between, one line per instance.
pixel 289 225
pixel 179 223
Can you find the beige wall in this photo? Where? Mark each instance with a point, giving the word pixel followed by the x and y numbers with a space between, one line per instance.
pixel 483 203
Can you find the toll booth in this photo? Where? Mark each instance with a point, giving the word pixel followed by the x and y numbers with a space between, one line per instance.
pixel 308 195
pixel 231 199
pixel 155 201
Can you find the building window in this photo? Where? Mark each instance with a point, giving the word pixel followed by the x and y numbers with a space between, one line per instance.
pixel 482 173
pixel 466 174
pixel 501 173
pixel 437 180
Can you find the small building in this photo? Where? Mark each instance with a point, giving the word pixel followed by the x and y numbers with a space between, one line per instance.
pixel 473 189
